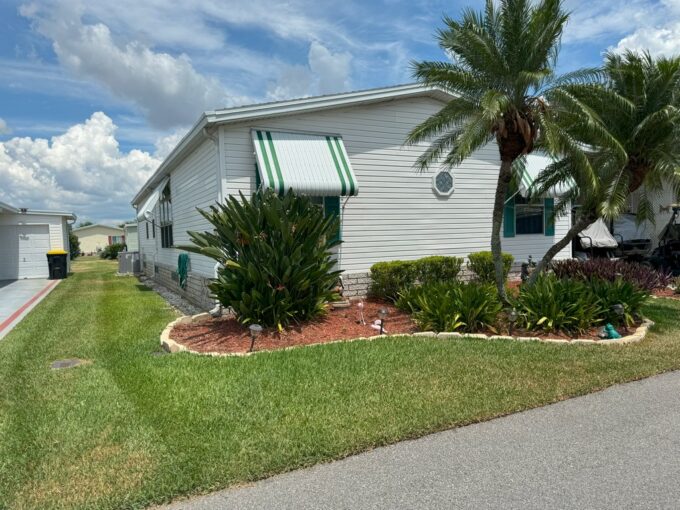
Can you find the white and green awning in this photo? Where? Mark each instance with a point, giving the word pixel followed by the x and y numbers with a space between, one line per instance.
pixel 312 164
pixel 535 164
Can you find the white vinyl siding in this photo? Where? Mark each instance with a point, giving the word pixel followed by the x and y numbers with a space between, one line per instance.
pixel 193 184
pixel 396 215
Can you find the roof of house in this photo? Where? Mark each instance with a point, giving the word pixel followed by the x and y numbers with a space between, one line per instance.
pixel 200 130
pixel 86 227
pixel 5 207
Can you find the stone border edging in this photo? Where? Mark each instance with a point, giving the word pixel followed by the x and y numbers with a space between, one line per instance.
pixel 172 346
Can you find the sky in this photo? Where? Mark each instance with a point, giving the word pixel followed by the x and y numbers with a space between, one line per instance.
pixel 94 94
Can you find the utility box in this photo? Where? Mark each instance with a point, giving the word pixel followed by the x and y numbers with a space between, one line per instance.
pixel 129 262
pixel 57 262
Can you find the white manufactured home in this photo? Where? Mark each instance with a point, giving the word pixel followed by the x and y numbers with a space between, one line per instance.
pixel 348 149
pixel 26 236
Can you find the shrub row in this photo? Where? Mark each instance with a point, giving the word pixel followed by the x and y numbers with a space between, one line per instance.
pixel 552 304
pixel 573 305
pixel 481 263
pixel 452 306
pixel 389 278
pixel 643 277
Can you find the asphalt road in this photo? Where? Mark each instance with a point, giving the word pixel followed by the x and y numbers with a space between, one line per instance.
pixel 616 449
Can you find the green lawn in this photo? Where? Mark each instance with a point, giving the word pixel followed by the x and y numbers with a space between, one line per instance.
pixel 131 429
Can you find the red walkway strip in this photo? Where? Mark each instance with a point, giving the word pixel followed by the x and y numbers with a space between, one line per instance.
pixel 27 304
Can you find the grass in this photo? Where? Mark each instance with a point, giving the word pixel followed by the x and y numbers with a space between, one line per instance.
pixel 130 429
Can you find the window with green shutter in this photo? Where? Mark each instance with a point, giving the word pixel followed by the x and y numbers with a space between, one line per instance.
pixel 509 218
pixel 549 216
pixel 331 207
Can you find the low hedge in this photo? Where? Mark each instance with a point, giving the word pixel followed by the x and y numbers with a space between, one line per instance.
pixel 389 278
pixel 481 263
pixel 643 277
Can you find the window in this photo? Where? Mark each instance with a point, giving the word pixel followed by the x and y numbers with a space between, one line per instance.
pixel 153 228
pixel 331 206
pixel 442 183
pixel 529 216
pixel 165 213
pixel 523 217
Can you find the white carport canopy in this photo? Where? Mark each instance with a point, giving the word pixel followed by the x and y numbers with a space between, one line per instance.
pixel 313 164
pixel 598 236
pixel 535 164
pixel 144 213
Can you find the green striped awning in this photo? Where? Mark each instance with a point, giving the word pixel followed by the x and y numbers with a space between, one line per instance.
pixel 535 164
pixel 312 164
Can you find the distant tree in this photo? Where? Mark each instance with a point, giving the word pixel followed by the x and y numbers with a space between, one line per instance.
pixel 85 224
pixel 74 244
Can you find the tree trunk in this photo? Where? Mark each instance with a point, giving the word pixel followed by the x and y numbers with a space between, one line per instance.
pixel 583 222
pixel 504 177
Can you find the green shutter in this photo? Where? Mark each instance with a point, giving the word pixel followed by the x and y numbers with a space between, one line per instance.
pixel 331 207
pixel 258 179
pixel 549 216
pixel 509 218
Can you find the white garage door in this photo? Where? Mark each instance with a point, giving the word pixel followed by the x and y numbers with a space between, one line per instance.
pixel 23 251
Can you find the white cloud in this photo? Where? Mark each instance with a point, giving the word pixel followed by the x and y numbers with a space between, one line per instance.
pixel 167 89
pixel 330 69
pixel 325 73
pixel 165 144
pixel 664 40
pixel 4 128
pixel 82 170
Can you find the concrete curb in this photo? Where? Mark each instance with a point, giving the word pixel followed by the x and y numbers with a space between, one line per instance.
pixel 172 346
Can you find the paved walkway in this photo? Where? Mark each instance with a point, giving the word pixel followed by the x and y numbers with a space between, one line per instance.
pixel 619 448
pixel 18 297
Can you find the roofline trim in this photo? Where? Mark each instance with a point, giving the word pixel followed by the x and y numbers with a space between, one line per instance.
pixel 280 108
pixel 97 225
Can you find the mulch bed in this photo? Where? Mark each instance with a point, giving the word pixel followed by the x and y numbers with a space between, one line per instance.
pixel 666 293
pixel 226 335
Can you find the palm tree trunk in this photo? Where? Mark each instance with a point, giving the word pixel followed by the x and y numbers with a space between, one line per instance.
pixel 504 177
pixel 584 221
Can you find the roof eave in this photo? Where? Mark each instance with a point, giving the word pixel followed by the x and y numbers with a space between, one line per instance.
pixel 281 108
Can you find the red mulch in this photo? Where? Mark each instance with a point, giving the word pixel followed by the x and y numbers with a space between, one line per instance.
pixel 226 335
pixel 666 292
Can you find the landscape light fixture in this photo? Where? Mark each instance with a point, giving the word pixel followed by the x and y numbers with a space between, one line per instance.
pixel 382 313
pixel 618 309
pixel 512 318
pixel 255 331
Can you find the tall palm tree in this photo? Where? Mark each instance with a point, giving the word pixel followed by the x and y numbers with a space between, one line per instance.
pixel 639 106
pixel 501 74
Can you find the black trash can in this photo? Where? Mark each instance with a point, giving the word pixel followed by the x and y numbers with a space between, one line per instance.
pixel 57 261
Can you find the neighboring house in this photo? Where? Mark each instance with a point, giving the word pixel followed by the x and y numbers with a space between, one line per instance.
pixel 347 149
pixel 94 238
pixel 26 236
pixel 130 234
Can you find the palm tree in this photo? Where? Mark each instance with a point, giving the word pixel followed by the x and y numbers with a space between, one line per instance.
pixel 501 74
pixel 639 106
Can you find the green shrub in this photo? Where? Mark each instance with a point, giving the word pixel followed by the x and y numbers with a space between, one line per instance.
pixel 619 292
pixel 275 252
pixel 554 304
pixel 111 251
pixel 481 263
pixel 449 306
pixel 388 279
pixel 437 268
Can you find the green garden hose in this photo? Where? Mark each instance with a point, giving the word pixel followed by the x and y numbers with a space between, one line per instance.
pixel 183 269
